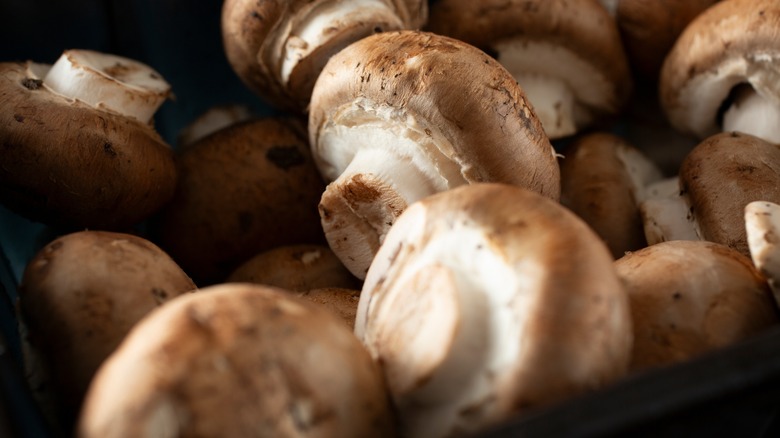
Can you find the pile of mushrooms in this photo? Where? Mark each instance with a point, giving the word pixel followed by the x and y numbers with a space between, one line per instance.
pixel 494 234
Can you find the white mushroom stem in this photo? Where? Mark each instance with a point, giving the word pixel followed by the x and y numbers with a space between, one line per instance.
pixel 666 213
pixel 762 225
pixel 553 103
pixel 640 170
pixel 325 21
pixel 108 82
pixel 753 114
pixel 368 196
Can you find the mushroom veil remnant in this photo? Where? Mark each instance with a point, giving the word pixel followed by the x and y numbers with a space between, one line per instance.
pixel 79 149
pixel 486 300
pixel 278 48
pixel 723 73
pixel 402 115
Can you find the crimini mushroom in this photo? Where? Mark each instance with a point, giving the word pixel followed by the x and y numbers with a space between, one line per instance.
pixel 238 360
pixel 341 301
pixel 78 147
pixel 603 181
pixel 278 48
pixel 649 28
pixel 762 227
pixel 242 190
pixel 717 179
pixel 726 64
pixel 401 115
pixel 79 297
pixel 487 300
pixel 688 298
pixel 567 55
pixel 296 268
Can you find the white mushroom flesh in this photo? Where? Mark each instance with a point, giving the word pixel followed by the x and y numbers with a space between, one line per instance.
pixel 762 226
pixel 395 149
pixel 641 171
pixel 460 292
pixel 666 213
pixel 565 90
pixel 698 102
pixel 108 82
pixel 318 23
pixel 753 114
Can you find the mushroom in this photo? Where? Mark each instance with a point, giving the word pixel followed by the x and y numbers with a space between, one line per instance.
pixel 213 120
pixel 726 64
pixel 78 147
pixel 79 296
pixel 688 298
pixel 402 115
pixel 278 48
pixel 242 190
pixel 649 28
pixel 487 300
pixel 567 55
pixel 717 179
pixel 238 360
pixel 603 180
pixel 296 268
pixel 341 301
pixel 762 227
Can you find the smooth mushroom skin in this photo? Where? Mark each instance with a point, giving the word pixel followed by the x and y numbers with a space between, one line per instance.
pixel 297 268
pixel 487 300
pixel 603 180
pixel 688 298
pixel 401 115
pixel 239 360
pixel 721 176
pixel 278 48
pixel 343 302
pixel 81 294
pixel 242 190
pixel 731 43
pixel 576 43
pixel 69 165
pixel 649 29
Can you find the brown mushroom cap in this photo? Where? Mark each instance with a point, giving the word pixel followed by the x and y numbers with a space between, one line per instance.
pixel 730 43
pixel 602 181
pixel 427 107
pixel 242 190
pixel 297 268
pixel 256 35
pixel 581 28
pixel 690 297
pixel 489 299
pixel 65 163
pixel 649 29
pixel 81 294
pixel 721 176
pixel 341 301
pixel 238 360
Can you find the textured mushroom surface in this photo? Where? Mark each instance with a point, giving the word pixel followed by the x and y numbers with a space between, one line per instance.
pixel 566 54
pixel 239 360
pixel 733 42
pixel 68 164
pixel 487 300
pixel 688 298
pixel 242 190
pixel 81 294
pixel 401 115
pixel 278 48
